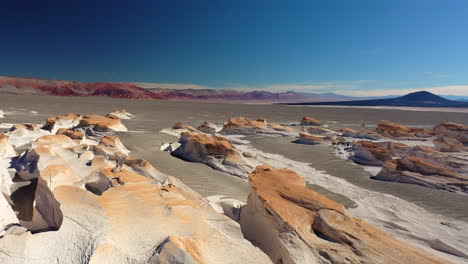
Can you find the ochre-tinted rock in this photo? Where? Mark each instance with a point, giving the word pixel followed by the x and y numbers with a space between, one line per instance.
pixel 294 224
pixel 308 139
pixel 376 153
pixel 102 123
pixel 67 121
pixel 457 131
pixel 449 144
pixel 365 134
pixel 244 126
pixel 397 131
pixel 122 114
pixel 207 127
pixel 310 121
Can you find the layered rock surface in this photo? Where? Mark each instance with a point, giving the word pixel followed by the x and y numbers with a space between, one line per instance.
pixel 244 126
pixel 310 121
pixel 397 131
pixel 293 224
pixel 217 152
pixel 307 139
pixel 106 207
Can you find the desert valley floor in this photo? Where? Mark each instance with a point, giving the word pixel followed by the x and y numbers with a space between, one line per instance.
pixel 430 218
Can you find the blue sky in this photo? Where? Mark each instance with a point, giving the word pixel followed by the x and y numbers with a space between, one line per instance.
pixel 371 47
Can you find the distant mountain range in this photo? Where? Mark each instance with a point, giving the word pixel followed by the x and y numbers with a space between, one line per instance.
pixel 37 86
pixel 147 91
pixel 417 99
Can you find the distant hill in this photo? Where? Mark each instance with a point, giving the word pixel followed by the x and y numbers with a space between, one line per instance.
pixel 38 86
pixel 417 99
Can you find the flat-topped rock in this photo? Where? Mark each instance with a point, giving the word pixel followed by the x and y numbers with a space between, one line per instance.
pixel 102 123
pixel 310 121
pixel 320 130
pixel 397 131
pixel 294 224
pixel 307 139
pixel 244 126
pixel 364 134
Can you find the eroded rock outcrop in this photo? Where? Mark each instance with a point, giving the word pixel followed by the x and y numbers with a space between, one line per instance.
pixel 66 121
pixel 376 153
pixel 397 131
pixel 364 134
pixel 122 114
pixel 102 123
pixel 244 126
pixel 449 144
pixel 307 139
pixel 207 127
pixel 310 121
pixel 214 151
pixel 320 130
pixel 293 224
pixel 422 171
pixel 457 131
pixel 107 207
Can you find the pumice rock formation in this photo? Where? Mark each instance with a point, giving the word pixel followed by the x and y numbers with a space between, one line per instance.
pixel 457 131
pixel 214 151
pixel 397 131
pixel 310 121
pixel 244 126
pixel 293 224
pixel 307 139
pixel 122 114
pixel 73 199
pixel 364 134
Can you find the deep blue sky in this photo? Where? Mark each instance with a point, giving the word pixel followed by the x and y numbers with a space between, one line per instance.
pixel 324 45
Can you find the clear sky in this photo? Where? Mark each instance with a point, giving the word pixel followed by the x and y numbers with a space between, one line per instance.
pixel 359 47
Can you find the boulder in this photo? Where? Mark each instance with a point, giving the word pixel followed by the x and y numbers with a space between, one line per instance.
pixel 122 114
pixel 68 121
pixel 213 151
pixel 207 127
pixel 457 131
pixel 78 135
pixel 421 171
pixel 102 123
pixel 365 134
pixel 244 126
pixel 310 121
pixel 397 131
pixel 449 144
pixel 308 139
pixel 294 224
pixel 320 130
pixel 376 153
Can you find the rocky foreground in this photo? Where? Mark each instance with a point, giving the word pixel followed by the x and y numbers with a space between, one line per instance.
pixel 73 194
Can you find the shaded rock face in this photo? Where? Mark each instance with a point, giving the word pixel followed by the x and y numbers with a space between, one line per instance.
pixel 425 172
pixel 106 207
pixel 207 127
pixel 449 144
pixel 310 121
pixel 366 134
pixel 214 151
pixel 293 224
pixel 376 153
pixel 308 139
pixel 397 131
pixel 244 126
pixel 457 131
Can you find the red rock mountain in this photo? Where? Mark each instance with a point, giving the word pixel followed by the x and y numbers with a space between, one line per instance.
pixel 21 85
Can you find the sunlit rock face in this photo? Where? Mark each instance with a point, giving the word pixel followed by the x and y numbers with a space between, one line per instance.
pixel 53 124
pixel 376 153
pixel 307 139
pixel 122 114
pixel 244 126
pixel 214 151
pixel 207 127
pixel 397 131
pixel 363 134
pixel 80 199
pixel 310 121
pixel 293 224
pixel 102 123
